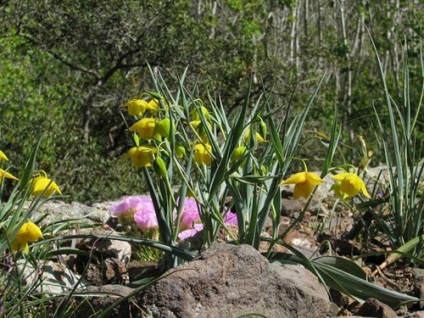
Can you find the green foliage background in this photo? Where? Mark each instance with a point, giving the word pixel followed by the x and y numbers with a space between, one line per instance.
pixel 68 66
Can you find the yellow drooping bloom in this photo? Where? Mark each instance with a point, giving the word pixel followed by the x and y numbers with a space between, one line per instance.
pixel 29 232
pixel 348 185
pixel 136 107
pixel 145 128
pixel 202 154
pixel 238 153
pixel 258 136
pixel 44 186
pixel 154 106
pixel 3 156
pixel 5 174
pixel 196 123
pixel 196 118
pixel 304 183
pixel 141 156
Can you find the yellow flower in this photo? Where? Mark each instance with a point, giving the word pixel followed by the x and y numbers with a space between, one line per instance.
pixel 153 106
pixel 337 192
pixel 29 232
pixel 145 128
pixel 141 156
pixel 238 153
pixel 5 174
pixel 348 185
pixel 197 123
pixel 202 154
pixel 3 156
pixel 44 186
pixel 304 183
pixel 136 107
pixel 196 119
pixel 258 136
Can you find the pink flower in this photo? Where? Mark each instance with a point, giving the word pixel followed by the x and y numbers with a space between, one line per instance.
pixel 126 209
pixel 230 218
pixel 145 217
pixel 189 214
pixel 190 232
pixel 128 205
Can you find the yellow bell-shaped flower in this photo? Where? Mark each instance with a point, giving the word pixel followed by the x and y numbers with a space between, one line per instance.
pixel 145 128
pixel 5 174
pixel 44 186
pixel 141 156
pixel 202 154
pixel 154 106
pixel 304 183
pixel 238 153
pixel 258 137
pixel 136 107
pixel 3 156
pixel 29 232
pixel 195 116
pixel 348 185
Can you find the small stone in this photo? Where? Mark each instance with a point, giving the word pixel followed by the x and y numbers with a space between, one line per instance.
pixel 114 271
pixel 374 308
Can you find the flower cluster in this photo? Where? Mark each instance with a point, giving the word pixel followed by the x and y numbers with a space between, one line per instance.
pixel 153 126
pixel 347 184
pixel 147 129
pixel 39 186
pixel 139 211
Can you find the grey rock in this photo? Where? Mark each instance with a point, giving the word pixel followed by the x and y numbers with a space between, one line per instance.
pixel 60 210
pixel 107 247
pixel 100 298
pixel 417 314
pixel 419 284
pixel 228 280
pixel 49 277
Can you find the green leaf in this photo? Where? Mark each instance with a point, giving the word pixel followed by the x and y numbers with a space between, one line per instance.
pixel 345 276
pixel 343 264
pixel 360 288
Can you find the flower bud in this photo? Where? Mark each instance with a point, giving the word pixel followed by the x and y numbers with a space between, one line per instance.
pixel 263 129
pixel 160 167
pixel 163 127
pixel 238 153
pixel 180 151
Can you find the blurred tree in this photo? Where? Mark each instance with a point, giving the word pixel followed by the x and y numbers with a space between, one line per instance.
pixel 69 65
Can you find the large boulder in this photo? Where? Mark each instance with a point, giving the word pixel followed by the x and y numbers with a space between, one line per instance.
pixel 228 280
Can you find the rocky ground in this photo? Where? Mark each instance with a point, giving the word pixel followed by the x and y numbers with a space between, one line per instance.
pixel 227 280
